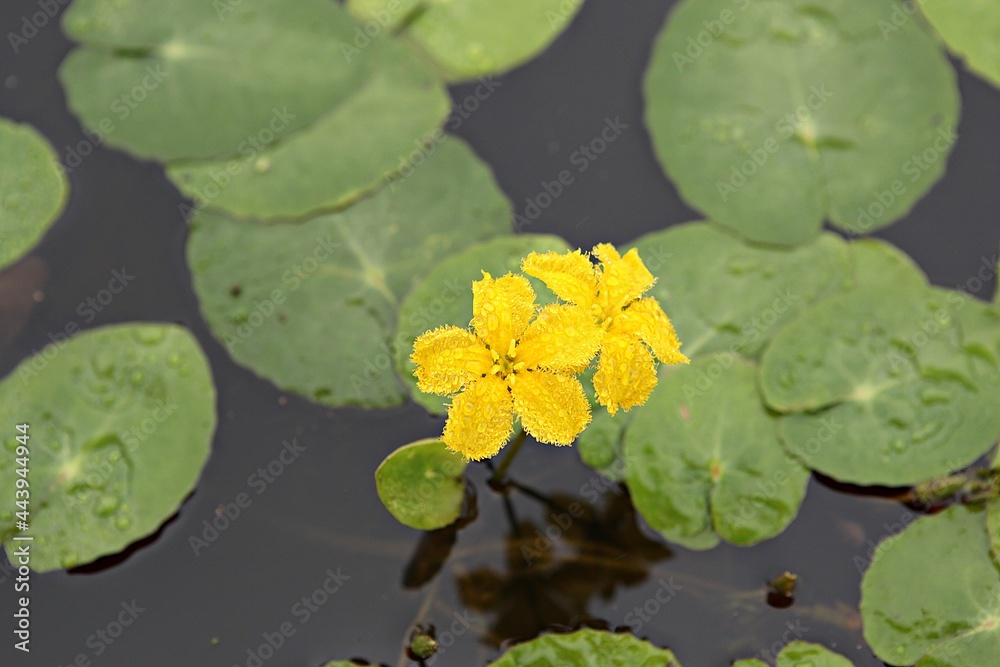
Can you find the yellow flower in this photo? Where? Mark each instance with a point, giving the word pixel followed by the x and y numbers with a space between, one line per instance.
pixel 509 365
pixel 632 329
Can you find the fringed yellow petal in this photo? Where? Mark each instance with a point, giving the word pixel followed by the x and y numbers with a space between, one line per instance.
pixel 626 373
pixel 646 320
pixel 572 276
pixel 449 358
pixel 552 407
pixel 502 309
pixel 480 419
pixel 623 279
pixel 563 338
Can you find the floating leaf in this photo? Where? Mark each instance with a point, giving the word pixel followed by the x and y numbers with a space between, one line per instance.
pixel 587 648
pixel 120 424
pixel 182 79
pixel 970 28
pixel 802 654
pixel 882 386
pixel 471 38
pixel 312 306
pixel 444 297
pixel 932 594
pixel 602 443
pixel 772 117
pixel 725 295
pixel 421 484
pixel 33 189
pixel 878 263
pixel 381 129
pixel 702 458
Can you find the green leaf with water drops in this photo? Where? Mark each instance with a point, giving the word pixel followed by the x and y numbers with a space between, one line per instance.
pixel 802 654
pixel 587 648
pixel 421 484
pixel 390 124
pixel 120 422
pixel 773 117
pixel 312 306
pixel 466 39
pixel 444 297
pixel 33 189
pixel 702 458
pixel 723 294
pixel 878 263
pixel 971 29
pixel 932 594
pixel 171 79
pixel 886 386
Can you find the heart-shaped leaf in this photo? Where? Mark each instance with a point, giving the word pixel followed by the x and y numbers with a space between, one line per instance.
pixel 586 648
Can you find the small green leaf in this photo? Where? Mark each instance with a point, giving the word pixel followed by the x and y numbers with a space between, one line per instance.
pixel 970 28
pixel 312 306
pixel 726 295
pixel 388 125
pixel 802 654
pixel 932 594
pixel 444 297
pixel 421 484
pixel 33 189
pixel 471 38
pixel 703 458
pixel 120 421
pixel 886 386
pixel 171 79
pixel 878 263
pixel 773 117
pixel 586 648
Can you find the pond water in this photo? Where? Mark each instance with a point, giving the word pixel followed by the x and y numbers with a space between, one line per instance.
pixel 311 522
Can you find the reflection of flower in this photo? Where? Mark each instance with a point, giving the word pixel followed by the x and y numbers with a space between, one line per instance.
pixel 630 327
pixel 509 365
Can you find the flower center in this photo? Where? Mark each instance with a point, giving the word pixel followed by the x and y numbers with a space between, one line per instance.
pixel 505 366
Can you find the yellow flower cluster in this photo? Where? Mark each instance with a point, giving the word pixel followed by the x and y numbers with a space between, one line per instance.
pixel 521 360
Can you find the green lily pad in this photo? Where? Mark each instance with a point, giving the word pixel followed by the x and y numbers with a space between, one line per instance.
pixel 878 263
pixel 602 443
pixel 993 523
pixel 586 648
pixel 471 38
pixel 932 594
pixel 971 29
pixel 312 306
pixel 702 458
pixel 186 79
pixel 883 386
pixel 771 117
pixel 390 124
pixel 444 297
pixel 802 654
pixel 120 422
pixel 33 189
pixel 421 484
pixel 725 295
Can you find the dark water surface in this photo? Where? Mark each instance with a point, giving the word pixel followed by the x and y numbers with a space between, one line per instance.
pixel 320 515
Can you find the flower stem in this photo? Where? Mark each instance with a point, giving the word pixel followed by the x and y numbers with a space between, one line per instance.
pixel 512 449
